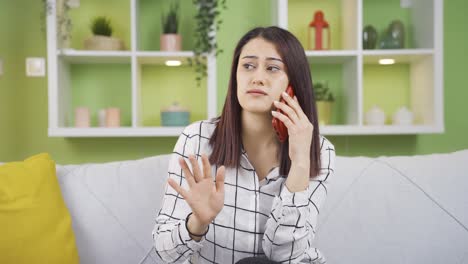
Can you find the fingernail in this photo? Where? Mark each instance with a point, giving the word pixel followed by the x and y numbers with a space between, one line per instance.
pixel 273 112
pixel 275 102
pixel 285 94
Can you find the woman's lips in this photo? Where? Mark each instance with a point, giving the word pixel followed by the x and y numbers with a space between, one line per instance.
pixel 256 92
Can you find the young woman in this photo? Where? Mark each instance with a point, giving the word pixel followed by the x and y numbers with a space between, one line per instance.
pixel 235 192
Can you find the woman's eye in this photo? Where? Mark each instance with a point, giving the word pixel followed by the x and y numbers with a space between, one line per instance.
pixel 273 68
pixel 248 66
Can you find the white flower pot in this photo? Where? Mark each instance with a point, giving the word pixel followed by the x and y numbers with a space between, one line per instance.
pixel 103 43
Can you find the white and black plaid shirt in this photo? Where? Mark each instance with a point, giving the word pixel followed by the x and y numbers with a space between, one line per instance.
pixel 259 218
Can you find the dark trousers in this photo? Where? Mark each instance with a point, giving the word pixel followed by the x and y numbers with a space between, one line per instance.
pixel 255 260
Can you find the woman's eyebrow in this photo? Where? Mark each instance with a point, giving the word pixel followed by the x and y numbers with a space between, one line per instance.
pixel 255 57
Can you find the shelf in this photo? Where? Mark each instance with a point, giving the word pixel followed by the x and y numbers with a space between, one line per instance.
pixel 419 20
pixel 148 23
pixel 145 57
pixel 141 85
pixel 82 17
pixel 331 130
pixel 136 80
pixel 91 56
pixel 400 56
pixel 331 56
pixel 160 86
pixel 95 86
pixel 336 130
pixel 342 17
pixel 116 132
pixel 160 57
pixel 341 75
pixel 395 52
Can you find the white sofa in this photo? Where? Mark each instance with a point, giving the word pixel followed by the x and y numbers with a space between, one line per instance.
pixel 405 209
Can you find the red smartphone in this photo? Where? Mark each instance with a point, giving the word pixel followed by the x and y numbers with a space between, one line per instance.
pixel 280 128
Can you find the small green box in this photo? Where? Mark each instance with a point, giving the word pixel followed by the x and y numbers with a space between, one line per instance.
pixel 175 118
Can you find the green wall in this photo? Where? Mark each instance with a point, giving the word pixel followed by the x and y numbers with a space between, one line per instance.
pixel 6 105
pixel 23 100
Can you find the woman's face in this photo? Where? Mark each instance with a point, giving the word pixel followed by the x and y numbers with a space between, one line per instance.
pixel 261 76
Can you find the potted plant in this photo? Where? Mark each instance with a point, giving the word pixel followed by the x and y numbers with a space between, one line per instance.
pixel 170 40
pixel 102 36
pixel 324 99
pixel 207 22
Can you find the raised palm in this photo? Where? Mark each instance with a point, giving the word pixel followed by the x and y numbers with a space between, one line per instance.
pixel 205 197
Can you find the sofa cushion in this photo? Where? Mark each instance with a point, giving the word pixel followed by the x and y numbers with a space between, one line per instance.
pixel 376 210
pixel 35 223
pixel 443 177
pixel 113 206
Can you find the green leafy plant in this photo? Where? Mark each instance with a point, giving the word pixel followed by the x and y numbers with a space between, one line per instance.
pixel 322 92
pixel 207 23
pixel 170 22
pixel 101 26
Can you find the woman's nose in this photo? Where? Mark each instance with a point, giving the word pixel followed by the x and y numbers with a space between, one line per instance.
pixel 258 81
pixel 259 78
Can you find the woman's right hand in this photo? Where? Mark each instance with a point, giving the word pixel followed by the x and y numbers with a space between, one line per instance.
pixel 205 198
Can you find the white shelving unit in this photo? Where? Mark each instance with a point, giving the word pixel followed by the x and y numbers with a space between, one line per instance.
pixel 60 85
pixel 424 60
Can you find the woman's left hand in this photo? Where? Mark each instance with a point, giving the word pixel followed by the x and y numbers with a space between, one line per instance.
pixel 299 128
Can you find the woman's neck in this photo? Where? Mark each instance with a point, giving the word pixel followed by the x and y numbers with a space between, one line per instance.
pixel 258 131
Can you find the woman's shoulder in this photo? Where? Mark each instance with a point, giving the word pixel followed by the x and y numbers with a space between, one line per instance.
pixel 203 128
pixel 325 144
pixel 327 158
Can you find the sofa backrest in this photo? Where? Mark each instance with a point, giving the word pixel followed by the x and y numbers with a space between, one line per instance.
pixel 397 210
pixel 379 210
pixel 113 207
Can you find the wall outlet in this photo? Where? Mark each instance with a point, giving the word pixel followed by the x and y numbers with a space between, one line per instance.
pixel 35 67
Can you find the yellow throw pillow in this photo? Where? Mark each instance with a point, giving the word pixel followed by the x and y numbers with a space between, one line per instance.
pixel 35 225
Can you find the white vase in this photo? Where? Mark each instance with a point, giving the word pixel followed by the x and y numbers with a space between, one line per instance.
pixel 102 117
pixel 403 116
pixel 375 116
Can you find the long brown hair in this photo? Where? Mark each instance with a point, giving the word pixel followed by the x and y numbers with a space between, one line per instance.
pixel 226 140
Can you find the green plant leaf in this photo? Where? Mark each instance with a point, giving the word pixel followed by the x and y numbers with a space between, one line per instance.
pixel 205 42
pixel 170 21
pixel 101 26
pixel 322 92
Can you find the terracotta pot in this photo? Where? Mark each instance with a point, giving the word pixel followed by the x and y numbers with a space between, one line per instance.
pixel 170 42
pixel 103 43
pixel 324 109
pixel 82 118
pixel 113 117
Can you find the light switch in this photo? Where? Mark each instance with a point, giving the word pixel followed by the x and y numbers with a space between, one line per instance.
pixel 1 67
pixel 35 67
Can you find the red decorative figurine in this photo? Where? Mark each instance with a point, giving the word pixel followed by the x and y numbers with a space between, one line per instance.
pixel 319 33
